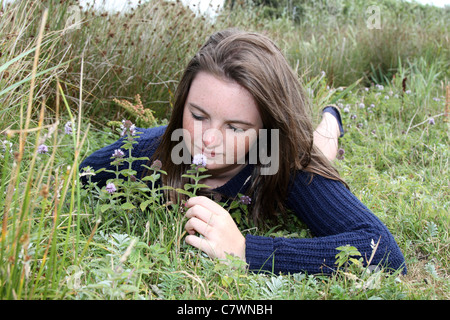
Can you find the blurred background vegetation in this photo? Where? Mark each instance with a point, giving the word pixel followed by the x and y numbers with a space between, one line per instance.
pixel 144 49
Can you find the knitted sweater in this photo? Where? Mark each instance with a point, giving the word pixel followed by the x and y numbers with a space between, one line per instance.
pixel 333 214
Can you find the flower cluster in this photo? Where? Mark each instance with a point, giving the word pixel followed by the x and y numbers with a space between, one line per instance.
pixel 118 156
pixel 111 188
pixel 68 127
pixel 118 153
pixel 42 149
pixel 128 128
pixel 5 145
pixel 340 154
pixel 246 200
pixel 199 160
pixel 156 165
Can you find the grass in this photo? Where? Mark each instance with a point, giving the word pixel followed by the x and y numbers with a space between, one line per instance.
pixel 60 241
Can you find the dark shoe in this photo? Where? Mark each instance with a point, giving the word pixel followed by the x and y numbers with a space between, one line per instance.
pixel 335 113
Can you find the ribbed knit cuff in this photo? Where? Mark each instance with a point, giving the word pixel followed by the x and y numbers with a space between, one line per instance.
pixel 259 252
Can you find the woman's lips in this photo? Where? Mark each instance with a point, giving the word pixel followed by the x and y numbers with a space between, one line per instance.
pixel 207 153
pixel 211 154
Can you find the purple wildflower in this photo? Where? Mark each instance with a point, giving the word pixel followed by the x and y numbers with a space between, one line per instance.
pixel 127 128
pixel 68 127
pixel 6 145
pixel 42 149
pixel 199 160
pixel 111 188
pixel 431 121
pixel 156 165
pixel 246 200
pixel 118 153
pixel 340 155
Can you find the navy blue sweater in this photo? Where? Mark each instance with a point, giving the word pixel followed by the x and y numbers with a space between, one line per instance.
pixel 332 213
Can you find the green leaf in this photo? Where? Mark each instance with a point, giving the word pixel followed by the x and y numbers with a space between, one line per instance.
pixel 226 281
pixel 185 192
pixel 127 206
pixel 200 185
pixel 145 204
pixel 104 207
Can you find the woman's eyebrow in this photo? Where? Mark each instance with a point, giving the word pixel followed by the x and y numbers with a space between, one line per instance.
pixel 198 107
pixel 229 121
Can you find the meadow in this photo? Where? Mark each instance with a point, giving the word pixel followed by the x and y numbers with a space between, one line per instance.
pixel 69 76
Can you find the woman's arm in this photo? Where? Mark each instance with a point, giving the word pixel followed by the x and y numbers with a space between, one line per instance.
pixel 147 143
pixel 336 218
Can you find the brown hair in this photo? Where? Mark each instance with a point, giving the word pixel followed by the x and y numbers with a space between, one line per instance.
pixel 253 61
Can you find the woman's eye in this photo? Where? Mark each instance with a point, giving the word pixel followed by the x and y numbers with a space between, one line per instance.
pixel 237 130
pixel 196 117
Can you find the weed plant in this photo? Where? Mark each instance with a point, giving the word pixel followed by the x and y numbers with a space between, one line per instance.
pixel 60 240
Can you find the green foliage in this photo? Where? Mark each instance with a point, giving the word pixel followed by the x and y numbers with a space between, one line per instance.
pixel 61 241
pixel 346 255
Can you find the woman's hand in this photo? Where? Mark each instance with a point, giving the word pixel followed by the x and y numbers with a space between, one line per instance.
pixel 215 224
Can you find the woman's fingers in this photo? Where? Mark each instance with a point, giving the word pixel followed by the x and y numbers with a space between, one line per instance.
pixel 214 223
pixel 202 244
pixel 196 225
pixel 199 212
pixel 206 203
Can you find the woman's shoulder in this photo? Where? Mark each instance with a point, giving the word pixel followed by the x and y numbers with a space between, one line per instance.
pixel 305 184
pixel 147 141
pixel 151 133
pixel 148 138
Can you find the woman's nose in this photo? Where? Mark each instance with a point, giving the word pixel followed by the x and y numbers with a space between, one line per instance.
pixel 212 138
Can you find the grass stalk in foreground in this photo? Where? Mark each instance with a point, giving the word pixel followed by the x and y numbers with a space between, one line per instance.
pixel 34 248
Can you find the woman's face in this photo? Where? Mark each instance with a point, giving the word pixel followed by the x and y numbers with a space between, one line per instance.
pixel 221 121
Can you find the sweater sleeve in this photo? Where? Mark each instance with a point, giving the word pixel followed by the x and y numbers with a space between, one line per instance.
pixel 336 218
pixel 148 141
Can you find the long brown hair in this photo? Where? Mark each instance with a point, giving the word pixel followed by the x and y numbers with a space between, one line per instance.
pixel 253 61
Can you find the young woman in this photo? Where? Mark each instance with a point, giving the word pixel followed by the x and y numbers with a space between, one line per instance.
pixel 238 94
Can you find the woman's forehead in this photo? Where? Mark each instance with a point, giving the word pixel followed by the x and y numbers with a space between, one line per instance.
pixel 222 98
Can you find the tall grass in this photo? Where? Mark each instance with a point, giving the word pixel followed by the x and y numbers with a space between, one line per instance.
pixel 61 241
